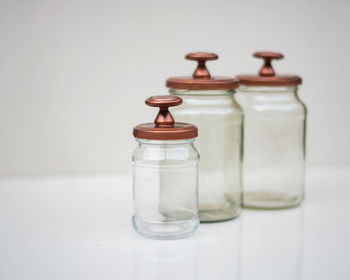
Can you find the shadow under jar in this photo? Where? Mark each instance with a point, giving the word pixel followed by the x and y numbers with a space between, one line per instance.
pixel 274 137
pixel 165 175
pixel 209 103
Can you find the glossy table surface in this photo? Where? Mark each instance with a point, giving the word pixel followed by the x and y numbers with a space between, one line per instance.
pixel 80 228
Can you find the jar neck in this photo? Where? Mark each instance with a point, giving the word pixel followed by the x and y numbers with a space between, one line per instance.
pixel 268 89
pixel 202 93
pixel 164 142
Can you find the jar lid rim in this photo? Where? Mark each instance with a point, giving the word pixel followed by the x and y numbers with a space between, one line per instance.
pixel 213 83
pixel 278 80
pixel 179 131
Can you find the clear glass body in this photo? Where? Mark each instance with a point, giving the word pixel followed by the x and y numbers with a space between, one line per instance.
pixel 219 120
pixel 165 183
pixel 274 146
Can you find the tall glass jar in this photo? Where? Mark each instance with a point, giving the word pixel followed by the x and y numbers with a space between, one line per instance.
pixel 165 180
pixel 274 137
pixel 209 103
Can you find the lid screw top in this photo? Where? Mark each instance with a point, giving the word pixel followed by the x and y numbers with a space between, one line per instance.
pixel 201 78
pixel 267 69
pixel 164 126
pixel 201 57
pixel 267 76
pixel 164 118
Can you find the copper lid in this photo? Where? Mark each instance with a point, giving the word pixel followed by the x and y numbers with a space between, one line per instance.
pixel 201 79
pixel 164 126
pixel 267 76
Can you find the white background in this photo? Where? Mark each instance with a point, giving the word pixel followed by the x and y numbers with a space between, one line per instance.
pixel 74 74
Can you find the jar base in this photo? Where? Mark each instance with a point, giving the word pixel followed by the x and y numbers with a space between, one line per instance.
pixel 165 230
pixel 270 200
pixel 218 213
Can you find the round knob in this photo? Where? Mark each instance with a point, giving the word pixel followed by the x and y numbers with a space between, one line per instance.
pixel 201 57
pixel 267 69
pixel 164 118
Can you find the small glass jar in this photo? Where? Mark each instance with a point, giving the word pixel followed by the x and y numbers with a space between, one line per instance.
pixel 274 137
pixel 165 179
pixel 209 103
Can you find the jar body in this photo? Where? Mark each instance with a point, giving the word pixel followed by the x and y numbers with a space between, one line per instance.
pixel 219 120
pixel 165 185
pixel 274 146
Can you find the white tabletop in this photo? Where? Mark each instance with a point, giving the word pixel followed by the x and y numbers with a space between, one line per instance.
pixel 80 228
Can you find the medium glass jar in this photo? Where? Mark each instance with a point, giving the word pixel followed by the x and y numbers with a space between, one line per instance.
pixel 209 103
pixel 274 138
pixel 165 179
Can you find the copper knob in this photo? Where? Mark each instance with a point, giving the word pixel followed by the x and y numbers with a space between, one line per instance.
pixel 201 57
pixel 164 118
pixel 267 69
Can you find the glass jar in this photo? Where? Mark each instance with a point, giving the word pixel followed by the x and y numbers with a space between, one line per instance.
pixel 274 138
pixel 209 103
pixel 165 179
